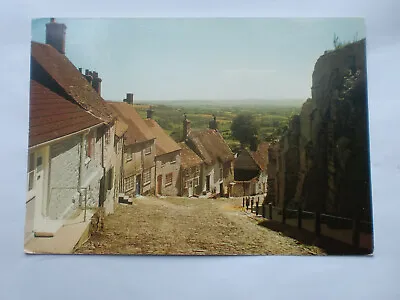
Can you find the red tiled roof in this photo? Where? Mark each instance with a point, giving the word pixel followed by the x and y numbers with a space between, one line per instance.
pixel 211 146
pixel 61 69
pixel 52 116
pixel 261 155
pixel 138 131
pixel 164 143
pixel 188 157
pixel 120 128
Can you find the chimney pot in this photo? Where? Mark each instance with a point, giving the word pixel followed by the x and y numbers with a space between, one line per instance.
pixel 80 70
pixel 129 98
pixel 55 35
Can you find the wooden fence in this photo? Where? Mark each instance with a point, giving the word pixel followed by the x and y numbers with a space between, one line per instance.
pixel 355 232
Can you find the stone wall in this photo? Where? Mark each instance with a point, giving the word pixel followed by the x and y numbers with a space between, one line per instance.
pixel 322 160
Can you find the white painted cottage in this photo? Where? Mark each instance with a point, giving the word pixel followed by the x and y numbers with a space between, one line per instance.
pixel 72 145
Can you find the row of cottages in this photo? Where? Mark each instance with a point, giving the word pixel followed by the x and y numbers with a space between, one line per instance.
pixel 214 176
pixel 250 169
pixel 75 143
pixel 151 157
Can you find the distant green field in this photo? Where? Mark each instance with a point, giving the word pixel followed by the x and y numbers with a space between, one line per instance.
pixel 268 116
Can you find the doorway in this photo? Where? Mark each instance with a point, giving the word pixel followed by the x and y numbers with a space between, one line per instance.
pixel 208 183
pixel 159 184
pixel 190 188
pixel 138 184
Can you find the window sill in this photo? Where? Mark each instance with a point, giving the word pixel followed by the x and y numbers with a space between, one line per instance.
pixel 146 183
pixel 128 160
pixel 168 184
pixel 87 160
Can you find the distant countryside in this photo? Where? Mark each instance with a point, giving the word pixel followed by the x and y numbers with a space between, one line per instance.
pixel 270 117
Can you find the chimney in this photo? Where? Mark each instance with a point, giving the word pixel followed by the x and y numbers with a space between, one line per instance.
pixel 129 98
pixel 96 83
pixel 150 112
pixel 186 127
pixel 55 35
pixel 88 76
pixel 213 123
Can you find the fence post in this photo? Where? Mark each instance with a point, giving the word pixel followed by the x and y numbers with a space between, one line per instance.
pixel 318 223
pixel 252 203
pixel 263 210
pixel 299 216
pixel 257 208
pixel 270 210
pixel 356 232
pixel 243 201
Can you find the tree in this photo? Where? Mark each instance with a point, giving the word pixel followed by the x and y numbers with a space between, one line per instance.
pixel 244 129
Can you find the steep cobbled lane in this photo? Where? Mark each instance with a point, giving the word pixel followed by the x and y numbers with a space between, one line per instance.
pixel 179 226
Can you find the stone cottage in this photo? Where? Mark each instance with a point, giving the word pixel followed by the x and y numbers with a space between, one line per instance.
pixel 217 171
pixel 71 155
pixel 250 171
pixel 167 159
pixel 139 150
pixel 191 168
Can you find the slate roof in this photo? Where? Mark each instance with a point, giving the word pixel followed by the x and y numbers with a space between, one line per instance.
pixel 138 131
pixel 210 146
pixel 52 116
pixel 66 75
pixel 253 160
pixel 188 157
pixel 164 143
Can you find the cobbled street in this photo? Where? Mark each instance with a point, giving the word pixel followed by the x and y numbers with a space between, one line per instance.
pixel 182 226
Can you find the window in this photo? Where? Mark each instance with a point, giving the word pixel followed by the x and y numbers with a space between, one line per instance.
pixel 146 177
pixel 196 181
pixel 168 179
pixel 129 183
pixel 147 151
pixel 107 135
pixel 128 154
pixel 110 179
pixel 197 172
pixel 173 161
pixel 31 171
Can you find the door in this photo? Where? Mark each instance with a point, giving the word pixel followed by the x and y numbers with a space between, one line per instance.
pixel 138 180
pixel 208 183
pixel 159 184
pixel 35 190
pixel 190 188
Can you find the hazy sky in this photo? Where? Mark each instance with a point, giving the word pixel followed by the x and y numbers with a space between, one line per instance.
pixel 177 59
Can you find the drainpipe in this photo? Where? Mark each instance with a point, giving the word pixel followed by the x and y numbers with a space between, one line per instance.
pixel 82 150
pixel 103 167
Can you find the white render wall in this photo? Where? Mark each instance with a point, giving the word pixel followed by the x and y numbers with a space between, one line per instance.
pixel 64 177
pixel 215 179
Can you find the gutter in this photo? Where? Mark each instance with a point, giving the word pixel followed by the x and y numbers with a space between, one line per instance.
pixel 65 136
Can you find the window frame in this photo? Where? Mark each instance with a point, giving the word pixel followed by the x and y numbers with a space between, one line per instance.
pixel 169 182
pixel 147 173
pixel 147 150
pixel 129 155
pixel 31 171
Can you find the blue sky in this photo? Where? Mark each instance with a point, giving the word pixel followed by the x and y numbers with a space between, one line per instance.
pixel 210 59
